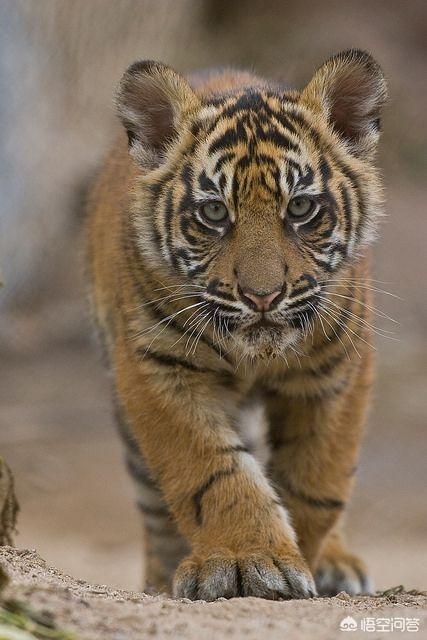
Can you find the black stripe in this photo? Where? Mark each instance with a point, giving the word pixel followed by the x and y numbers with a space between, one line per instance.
pixel 160 532
pixel 235 189
pixel 226 141
pixel 228 309
pixel 354 182
pixel 328 367
pixel 139 472
pixel 187 200
pixel 206 184
pixel 239 580
pixel 168 213
pixel 317 503
pixel 328 393
pixel 226 157
pixel 238 448
pixel 124 429
pixel 198 496
pixel 157 511
pixel 298 292
pixel 307 179
pixel 249 100
pixel 278 440
pixel 173 361
pixel 214 289
pixel 346 210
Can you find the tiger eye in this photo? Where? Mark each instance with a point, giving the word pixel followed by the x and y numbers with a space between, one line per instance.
pixel 300 206
pixel 215 211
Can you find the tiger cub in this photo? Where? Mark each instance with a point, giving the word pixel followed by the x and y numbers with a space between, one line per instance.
pixel 228 250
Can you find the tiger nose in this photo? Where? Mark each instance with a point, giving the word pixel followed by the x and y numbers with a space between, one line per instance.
pixel 263 301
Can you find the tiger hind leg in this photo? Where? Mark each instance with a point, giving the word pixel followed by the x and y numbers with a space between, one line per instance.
pixel 339 570
pixel 163 545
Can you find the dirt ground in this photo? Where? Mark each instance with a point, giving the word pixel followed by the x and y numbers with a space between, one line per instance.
pixel 95 612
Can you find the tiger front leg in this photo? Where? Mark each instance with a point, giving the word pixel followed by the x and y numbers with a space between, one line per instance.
pixel 241 540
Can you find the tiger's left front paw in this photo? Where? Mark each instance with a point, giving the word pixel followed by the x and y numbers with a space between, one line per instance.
pixel 228 575
pixel 342 572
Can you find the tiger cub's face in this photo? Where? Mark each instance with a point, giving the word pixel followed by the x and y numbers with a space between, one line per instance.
pixel 258 197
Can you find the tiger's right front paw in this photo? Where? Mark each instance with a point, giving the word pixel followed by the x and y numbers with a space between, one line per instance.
pixel 223 574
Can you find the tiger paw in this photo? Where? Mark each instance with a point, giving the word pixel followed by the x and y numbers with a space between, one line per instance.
pixel 342 572
pixel 226 575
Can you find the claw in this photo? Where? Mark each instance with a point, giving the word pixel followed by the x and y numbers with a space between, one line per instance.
pixel 223 575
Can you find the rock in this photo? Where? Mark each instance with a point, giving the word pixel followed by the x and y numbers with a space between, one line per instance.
pixel 8 505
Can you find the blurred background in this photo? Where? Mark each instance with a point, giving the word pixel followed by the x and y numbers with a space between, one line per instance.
pixel 59 63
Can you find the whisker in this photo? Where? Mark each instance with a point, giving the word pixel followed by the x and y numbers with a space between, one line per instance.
pixel 196 313
pixel 297 354
pixel 170 298
pixel 336 319
pixel 321 322
pixel 358 336
pixel 361 279
pixel 361 285
pixel 374 310
pixel 179 286
pixel 158 334
pixel 168 319
pixel 195 324
pixel 335 333
pixel 201 333
pixel 378 330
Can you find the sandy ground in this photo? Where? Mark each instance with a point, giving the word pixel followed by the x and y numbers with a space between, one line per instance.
pixel 97 612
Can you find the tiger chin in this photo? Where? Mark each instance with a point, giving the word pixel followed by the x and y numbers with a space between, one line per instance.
pixel 231 223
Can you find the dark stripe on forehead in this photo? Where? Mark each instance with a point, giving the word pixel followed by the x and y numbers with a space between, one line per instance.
pixel 227 140
pixel 240 134
pixel 293 117
pixel 307 179
pixel 206 184
pixel 250 100
pixel 259 103
pixel 290 178
pixel 325 172
pixel 226 157
pixel 222 182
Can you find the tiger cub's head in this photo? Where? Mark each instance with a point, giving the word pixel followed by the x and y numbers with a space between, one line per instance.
pixel 257 196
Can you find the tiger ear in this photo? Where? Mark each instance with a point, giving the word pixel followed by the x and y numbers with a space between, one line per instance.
pixel 153 102
pixel 351 89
